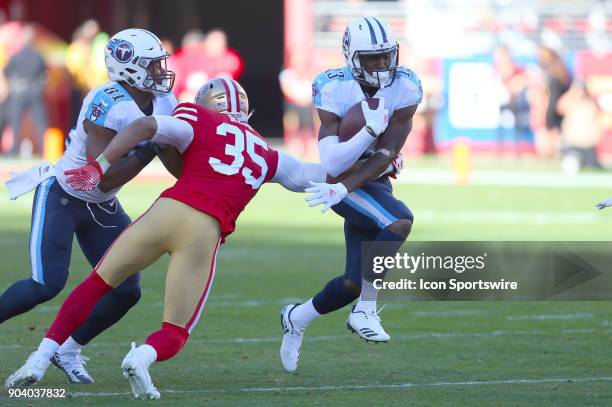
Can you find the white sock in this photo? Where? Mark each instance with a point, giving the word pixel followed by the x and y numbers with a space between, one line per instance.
pixel 366 306
pixel 48 347
pixel 367 298
pixel 148 354
pixel 303 314
pixel 70 346
pixel 368 291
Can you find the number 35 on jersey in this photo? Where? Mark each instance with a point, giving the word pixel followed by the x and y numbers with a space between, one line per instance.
pixel 244 142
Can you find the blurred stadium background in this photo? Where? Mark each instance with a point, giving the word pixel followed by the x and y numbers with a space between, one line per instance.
pixel 530 78
pixel 511 142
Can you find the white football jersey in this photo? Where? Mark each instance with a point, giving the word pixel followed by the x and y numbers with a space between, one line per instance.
pixel 337 90
pixel 110 106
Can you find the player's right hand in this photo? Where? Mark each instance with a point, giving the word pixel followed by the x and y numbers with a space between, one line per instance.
pixel 376 119
pixel 605 204
pixel 85 178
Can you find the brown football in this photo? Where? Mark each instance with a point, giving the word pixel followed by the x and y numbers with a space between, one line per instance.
pixel 353 120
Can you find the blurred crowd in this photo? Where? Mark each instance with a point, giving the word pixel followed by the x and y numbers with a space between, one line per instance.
pixel 558 109
pixel 544 107
pixel 43 80
pixel 22 81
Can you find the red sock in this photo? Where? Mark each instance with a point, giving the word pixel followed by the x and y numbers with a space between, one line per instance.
pixel 77 307
pixel 168 341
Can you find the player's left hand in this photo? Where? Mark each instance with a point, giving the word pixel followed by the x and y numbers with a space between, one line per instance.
pixel 85 178
pixel 605 204
pixel 398 165
pixel 325 194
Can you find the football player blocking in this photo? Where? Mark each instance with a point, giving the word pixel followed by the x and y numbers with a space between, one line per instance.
pixel 140 85
pixel 364 196
pixel 225 161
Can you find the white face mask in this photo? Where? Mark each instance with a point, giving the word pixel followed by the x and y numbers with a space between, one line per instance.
pixel 379 79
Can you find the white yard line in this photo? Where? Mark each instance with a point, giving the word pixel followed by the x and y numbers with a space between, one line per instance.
pixel 511 217
pixel 364 386
pixel 550 317
pixel 409 337
pixel 213 303
pixel 589 215
pixel 452 313
pixel 510 178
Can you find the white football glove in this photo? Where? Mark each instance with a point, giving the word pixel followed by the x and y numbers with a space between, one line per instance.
pixel 325 194
pixel 377 119
pixel 605 204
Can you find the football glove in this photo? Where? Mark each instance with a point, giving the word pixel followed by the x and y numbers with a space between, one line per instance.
pixel 376 119
pixel 325 194
pixel 85 178
pixel 605 204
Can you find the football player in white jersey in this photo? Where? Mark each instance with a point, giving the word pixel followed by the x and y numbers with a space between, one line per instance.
pixel 140 85
pixel 363 196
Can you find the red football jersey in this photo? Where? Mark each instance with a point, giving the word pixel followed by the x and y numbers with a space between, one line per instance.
pixel 223 167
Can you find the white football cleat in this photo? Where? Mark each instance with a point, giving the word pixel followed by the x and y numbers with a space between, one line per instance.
pixel 292 340
pixel 31 372
pixel 73 365
pixel 137 373
pixel 367 325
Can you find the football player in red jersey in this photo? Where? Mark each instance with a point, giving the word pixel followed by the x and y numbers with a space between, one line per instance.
pixel 225 161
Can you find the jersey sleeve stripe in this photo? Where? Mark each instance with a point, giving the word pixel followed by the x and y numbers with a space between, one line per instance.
pixel 186 116
pixel 189 109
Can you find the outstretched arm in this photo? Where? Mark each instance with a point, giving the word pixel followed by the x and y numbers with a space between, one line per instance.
pixel 161 129
pixel 140 130
pixel 296 175
pixel 605 203
pixel 124 169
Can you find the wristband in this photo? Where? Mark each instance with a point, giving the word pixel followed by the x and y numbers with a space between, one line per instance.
pixel 103 163
pixel 384 152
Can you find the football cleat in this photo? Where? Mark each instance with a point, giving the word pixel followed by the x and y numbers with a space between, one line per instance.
pixel 137 373
pixel 73 365
pixel 292 340
pixel 31 372
pixel 367 325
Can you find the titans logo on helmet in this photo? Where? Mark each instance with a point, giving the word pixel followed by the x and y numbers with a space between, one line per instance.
pixel 346 40
pixel 121 50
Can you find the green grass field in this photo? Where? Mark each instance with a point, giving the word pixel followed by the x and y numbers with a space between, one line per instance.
pixel 441 353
